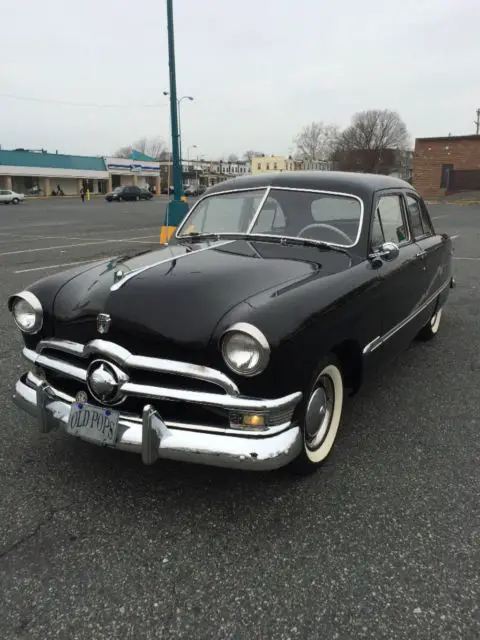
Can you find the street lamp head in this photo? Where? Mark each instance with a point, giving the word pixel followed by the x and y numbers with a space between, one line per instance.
pixel 189 97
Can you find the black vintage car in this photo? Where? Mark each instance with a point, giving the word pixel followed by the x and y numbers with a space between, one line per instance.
pixel 128 193
pixel 234 345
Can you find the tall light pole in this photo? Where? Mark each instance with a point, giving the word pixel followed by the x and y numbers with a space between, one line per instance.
pixel 176 208
pixel 193 146
pixel 166 93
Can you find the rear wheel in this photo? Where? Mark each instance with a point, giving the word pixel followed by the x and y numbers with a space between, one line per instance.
pixel 321 416
pixel 15 200
pixel 430 330
pixel 137 198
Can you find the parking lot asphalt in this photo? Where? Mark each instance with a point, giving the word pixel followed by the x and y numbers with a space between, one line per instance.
pixel 382 542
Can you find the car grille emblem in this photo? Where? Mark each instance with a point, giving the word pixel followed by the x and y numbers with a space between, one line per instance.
pixel 103 322
pixel 104 381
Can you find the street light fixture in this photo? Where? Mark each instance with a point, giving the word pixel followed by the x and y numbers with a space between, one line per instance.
pixel 167 93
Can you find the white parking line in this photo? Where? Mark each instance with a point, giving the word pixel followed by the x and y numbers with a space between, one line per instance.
pixel 53 266
pixel 455 236
pixel 464 258
pixel 137 240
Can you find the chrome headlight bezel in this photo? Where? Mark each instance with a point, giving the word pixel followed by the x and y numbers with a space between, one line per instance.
pixel 258 342
pixel 36 307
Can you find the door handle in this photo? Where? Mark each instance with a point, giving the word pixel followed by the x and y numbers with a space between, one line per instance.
pixel 421 254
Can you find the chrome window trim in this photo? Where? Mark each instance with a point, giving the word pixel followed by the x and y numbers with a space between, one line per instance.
pixel 379 340
pixel 405 217
pixel 271 188
pixel 223 193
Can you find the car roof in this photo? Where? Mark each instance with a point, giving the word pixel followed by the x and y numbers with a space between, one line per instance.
pixel 360 184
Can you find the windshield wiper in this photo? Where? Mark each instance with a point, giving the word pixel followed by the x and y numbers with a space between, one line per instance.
pixel 196 236
pixel 260 237
pixel 305 242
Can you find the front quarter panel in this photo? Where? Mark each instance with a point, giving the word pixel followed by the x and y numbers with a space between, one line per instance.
pixel 303 323
pixel 46 290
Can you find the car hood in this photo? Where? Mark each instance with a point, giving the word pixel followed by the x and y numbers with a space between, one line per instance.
pixel 177 295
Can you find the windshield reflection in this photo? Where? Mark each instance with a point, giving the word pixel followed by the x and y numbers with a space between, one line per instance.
pixel 321 216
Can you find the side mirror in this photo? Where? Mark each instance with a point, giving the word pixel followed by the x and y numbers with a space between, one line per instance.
pixel 388 251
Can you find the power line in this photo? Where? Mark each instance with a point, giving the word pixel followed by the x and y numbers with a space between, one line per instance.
pixel 85 104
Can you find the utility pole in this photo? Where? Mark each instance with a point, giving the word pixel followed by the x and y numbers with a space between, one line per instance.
pixel 477 122
pixel 176 208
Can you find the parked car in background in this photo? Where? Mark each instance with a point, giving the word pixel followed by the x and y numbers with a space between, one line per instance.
pixel 195 190
pixel 128 193
pixel 7 196
pixel 236 343
pixel 146 193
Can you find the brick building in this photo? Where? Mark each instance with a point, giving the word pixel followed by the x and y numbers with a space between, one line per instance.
pixel 446 165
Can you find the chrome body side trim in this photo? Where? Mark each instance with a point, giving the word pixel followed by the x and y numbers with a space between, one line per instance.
pixel 153 438
pixel 379 340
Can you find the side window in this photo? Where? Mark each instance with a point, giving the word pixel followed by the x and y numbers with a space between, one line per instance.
pixel 377 232
pixel 427 223
pixel 414 212
pixel 389 209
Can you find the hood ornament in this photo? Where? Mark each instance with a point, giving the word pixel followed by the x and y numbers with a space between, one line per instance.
pixel 103 322
pixel 118 275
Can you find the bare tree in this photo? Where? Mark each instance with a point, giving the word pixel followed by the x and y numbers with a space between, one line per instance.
pixel 153 147
pixel 372 142
pixel 249 154
pixel 316 141
pixel 123 152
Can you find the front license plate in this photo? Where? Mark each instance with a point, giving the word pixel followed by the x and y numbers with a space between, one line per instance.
pixel 93 423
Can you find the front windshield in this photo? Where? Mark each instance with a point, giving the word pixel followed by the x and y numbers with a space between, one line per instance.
pixel 117 189
pixel 326 217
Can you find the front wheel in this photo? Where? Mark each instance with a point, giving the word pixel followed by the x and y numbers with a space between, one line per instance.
pixel 321 416
pixel 137 198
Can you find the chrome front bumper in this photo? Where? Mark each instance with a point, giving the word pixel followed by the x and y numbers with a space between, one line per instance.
pixel 153 438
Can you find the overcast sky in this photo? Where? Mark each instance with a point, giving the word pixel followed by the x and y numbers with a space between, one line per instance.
pixel 259 70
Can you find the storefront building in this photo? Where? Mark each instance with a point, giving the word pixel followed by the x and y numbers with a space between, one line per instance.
pixel 42 173
pixel 139 170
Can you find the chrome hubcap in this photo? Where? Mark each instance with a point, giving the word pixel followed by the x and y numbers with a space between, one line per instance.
pixel 319 412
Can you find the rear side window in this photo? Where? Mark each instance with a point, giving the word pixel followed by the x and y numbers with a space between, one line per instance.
pixel 391 219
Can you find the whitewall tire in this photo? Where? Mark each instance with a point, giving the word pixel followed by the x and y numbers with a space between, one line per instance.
pixel 321 416
pixel 430 330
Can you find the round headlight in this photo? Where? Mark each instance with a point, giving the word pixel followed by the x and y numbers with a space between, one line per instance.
pixel 27 312
pixel 245 349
